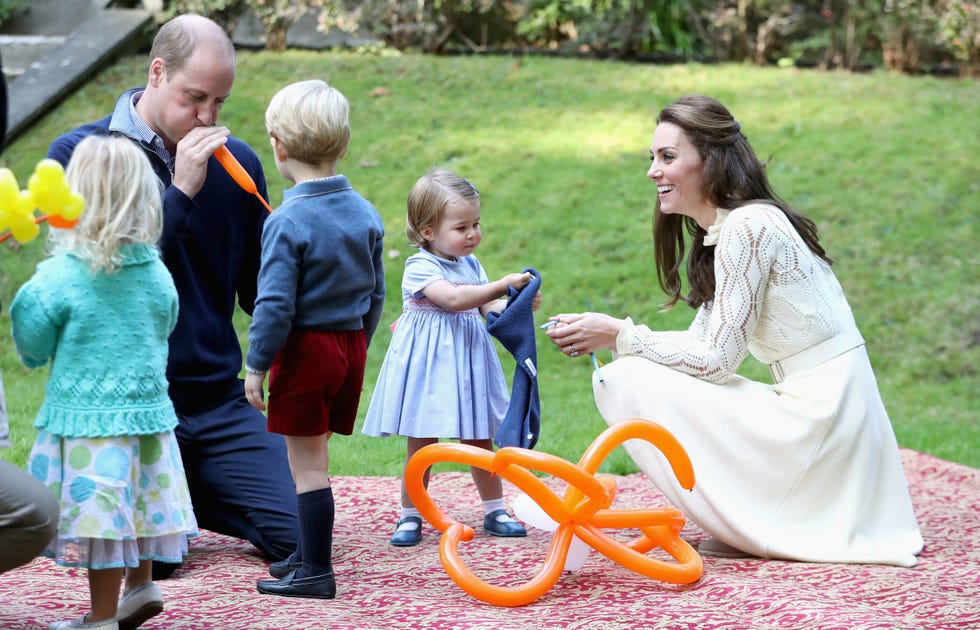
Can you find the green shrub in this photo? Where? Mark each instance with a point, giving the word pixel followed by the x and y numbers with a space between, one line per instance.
pixel 909 36
pixel 10 7
pixel 959 32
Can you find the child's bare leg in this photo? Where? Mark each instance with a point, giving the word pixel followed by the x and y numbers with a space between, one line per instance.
pixel 103 587
pixel 408 530
pixel 137 576
pixel 413 446
pixel 496 520
pixel 309 460
pixel 488 485
pixel 141 598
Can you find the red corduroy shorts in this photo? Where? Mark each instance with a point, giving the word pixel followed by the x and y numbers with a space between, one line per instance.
pixel 315 382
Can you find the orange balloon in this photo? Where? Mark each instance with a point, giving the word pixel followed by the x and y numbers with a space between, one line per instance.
pixel 238 173
pixel 58 221
pixel 583 512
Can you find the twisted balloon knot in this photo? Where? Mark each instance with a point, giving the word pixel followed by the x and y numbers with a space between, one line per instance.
pixel 578 517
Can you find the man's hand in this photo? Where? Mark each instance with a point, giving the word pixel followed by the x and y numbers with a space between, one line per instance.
pixel 193 151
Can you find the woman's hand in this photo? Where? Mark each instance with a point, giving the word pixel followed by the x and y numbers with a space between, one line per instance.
pixel 577 334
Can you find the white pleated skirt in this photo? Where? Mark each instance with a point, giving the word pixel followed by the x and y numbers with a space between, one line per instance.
pixel 807 469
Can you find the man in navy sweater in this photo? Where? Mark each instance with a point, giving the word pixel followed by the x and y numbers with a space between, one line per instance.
pixel 237 472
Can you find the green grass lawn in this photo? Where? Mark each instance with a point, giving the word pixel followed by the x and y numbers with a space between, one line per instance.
pixel 886 165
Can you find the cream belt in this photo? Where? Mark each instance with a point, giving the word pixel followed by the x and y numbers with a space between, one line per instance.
pixel 815 355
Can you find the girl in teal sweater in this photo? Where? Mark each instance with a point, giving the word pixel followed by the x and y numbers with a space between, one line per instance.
pixel 100 310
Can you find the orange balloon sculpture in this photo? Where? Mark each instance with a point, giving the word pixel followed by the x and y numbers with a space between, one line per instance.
pixel 238 173
pixel 583 512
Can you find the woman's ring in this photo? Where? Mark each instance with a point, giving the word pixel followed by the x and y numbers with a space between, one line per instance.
pixel 574 353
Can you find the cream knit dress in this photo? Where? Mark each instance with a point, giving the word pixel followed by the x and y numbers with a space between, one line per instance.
pixel 805 469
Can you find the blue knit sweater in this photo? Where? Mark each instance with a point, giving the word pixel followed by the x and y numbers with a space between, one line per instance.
pixel 322 267
pixel 211 245
pixel 514 328
pixel 106 336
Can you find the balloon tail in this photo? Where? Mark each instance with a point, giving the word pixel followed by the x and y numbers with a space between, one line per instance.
pixel 8 234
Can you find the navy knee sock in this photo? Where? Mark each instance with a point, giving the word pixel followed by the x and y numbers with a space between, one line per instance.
pixel 316 513
pixel 297 556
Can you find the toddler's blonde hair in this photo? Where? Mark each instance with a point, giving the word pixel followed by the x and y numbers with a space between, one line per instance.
pixel 123 201
pixel 428 199
pixel 311 120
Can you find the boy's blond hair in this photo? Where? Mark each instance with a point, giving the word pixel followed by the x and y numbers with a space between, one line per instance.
pixel 311 120
pixel 123 201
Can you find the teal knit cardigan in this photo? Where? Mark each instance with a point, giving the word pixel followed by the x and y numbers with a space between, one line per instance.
pixel 106 336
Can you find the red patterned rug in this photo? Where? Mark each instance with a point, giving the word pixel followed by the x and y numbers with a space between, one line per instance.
pixel 380 586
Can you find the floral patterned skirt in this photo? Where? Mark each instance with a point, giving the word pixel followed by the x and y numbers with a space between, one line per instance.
pixel 123 499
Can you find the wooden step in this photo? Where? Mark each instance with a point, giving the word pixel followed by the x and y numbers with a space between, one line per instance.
pixel 47 81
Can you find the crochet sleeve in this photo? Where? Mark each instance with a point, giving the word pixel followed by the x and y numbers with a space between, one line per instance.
pixel 35 333
pixel 716 343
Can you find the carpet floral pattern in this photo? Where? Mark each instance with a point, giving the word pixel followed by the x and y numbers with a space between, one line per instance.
pixel 380 586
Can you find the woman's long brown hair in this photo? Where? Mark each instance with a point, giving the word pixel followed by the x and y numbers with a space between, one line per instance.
pixel 733 177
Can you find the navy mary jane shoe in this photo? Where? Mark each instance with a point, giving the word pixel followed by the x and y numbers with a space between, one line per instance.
pixel 407 537
pixel 508 528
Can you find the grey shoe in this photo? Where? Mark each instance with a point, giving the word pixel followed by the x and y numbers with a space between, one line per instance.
pixel 718 549
pixel 138 605
pixel 105 624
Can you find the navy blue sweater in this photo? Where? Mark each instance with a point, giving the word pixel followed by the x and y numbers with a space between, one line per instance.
pixel 211 244
pixel 322 267
pixel 514 328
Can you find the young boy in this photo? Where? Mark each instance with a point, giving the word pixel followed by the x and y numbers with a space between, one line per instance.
pixel 321 289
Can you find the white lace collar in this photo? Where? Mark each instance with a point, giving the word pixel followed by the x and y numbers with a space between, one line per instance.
pixel 711 238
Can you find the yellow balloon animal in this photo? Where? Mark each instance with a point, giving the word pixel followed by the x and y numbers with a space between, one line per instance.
pixel 48 191
pixel 583 512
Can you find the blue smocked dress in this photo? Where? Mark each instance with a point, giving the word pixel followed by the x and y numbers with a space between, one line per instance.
pixel 441 376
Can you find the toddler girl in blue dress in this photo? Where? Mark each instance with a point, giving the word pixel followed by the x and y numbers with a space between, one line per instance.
pixel 441 377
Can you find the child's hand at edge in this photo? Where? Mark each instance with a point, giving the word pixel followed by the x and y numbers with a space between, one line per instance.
pixel 253 390
pixel 517 280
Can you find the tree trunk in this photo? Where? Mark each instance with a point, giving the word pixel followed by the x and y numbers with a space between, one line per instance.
pixel 741 44
pixel 275 36
pixel 852 51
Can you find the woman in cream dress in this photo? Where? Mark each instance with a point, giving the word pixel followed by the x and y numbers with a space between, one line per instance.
pixel 806 468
